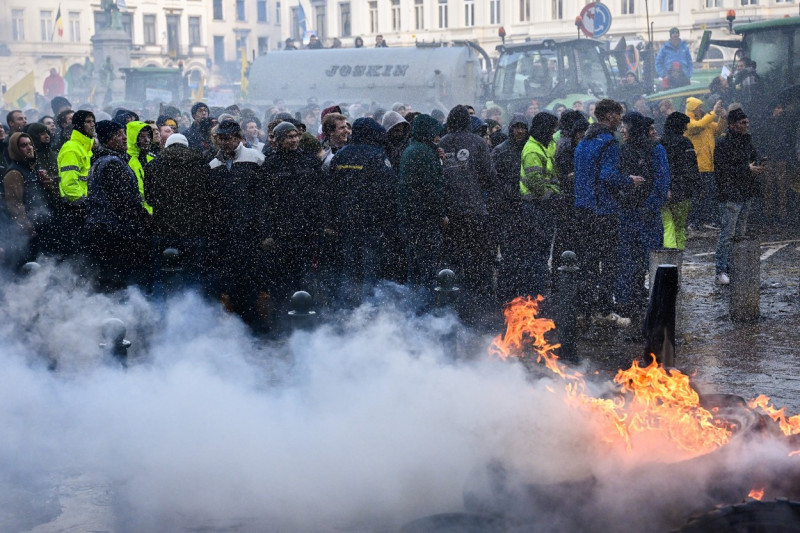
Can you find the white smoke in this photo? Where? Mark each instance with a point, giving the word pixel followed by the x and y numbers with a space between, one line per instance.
pixel 361 425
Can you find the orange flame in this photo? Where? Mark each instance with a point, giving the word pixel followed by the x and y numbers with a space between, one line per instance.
pixel 756 494
pixel 650 399
pixel 789 425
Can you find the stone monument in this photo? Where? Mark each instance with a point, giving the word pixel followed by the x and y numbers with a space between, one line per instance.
pixel 111 50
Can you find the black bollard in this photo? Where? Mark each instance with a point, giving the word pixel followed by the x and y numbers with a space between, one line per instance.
pixel 446 290
pixel 659 323
pixel 745 284
pixel 566 325
pixel 302 315
pixel 171 271
pixel 30 268
pixel 114 342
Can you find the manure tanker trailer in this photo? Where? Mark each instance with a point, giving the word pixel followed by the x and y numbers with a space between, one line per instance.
pixel 423 76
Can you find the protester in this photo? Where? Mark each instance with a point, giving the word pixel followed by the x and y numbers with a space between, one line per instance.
pixel 684 175
pixel 117 223
pixel 675 51
pixel 702 130
pixel 738 172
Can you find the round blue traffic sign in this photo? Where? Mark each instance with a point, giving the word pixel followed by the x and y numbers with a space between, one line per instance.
pixel 595 19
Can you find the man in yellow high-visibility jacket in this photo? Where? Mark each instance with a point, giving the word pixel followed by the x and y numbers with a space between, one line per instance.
pixel 75 158
pixel 74 161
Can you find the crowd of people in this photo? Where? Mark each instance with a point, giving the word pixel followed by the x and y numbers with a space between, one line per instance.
pixel 335 202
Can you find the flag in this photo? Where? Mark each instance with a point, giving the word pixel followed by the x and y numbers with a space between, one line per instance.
pixel 301 18
pixel 59 26
pixel 22 94
pixel 245 73
pixel 198 94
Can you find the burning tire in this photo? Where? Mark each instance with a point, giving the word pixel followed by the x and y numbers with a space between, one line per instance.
pixel 781 516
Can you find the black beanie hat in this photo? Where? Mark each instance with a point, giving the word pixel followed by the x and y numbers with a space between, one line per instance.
pixel 196 106
pixel 58 102
pixel 106 129
pixel 79 118
pixel 736 115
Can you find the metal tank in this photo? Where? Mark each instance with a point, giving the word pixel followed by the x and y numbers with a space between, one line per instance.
pixel 424 76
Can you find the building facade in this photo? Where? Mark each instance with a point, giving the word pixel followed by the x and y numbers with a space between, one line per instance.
pixel 204 37
pixel 403 22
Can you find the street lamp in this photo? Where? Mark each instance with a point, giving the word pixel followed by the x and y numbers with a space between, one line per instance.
pixel 578 24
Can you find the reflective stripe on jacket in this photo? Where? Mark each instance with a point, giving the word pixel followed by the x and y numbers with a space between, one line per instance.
pixel 538 180
pixel 74 161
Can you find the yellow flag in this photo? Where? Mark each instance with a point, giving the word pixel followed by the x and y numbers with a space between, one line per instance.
pixel 21 93
pixel 245 72
pixel 197 95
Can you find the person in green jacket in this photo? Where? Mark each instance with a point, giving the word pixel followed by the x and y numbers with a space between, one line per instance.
pixel 421 202
pixel 140 137
pixel 540 190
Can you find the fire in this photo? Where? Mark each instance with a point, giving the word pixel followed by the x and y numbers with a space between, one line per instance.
pixel 789 425
pixel 756 494
pixel 649 399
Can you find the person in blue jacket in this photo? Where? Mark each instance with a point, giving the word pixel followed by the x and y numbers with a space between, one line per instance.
pixel 598 181
pixel 674 51
pixel 640 225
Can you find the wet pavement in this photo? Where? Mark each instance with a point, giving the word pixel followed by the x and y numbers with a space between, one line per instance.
pixel 746 359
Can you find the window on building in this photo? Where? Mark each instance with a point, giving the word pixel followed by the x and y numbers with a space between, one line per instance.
pixel 277 13
pixel 219 49
pixel 419 14
pixel 74 26
pixel 18 24
pixel 46 19
pixel 217 9
pixel 149 28
pixel 396 15
pixel 494 11
pixel 263 45
pixel 261 10
pixel 173 36
pixel 627 7
pixel 667 5
pixel 321 17
pixel 294 26
pixel 525 10
pixel 442 13
pixel 558 9
pixel 713 3
pixel 373 17
pixel 784 1
pixel 239 9
pixel 344 19
pixel 749 2
pixel 194 31
pixel 469 13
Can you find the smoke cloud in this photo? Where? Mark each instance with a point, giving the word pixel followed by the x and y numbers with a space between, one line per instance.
pixel 364 424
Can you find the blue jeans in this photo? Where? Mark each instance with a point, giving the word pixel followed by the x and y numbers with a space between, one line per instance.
pixel 734 224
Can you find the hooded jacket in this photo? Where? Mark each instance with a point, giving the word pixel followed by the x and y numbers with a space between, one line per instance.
pixel 138 159
pixel 538 179
pixel 702 133
pixel 506 158
pixel 468 171
pixel 394 149
pixel 74 160
pixel 46 158
pixel 641 156
pixel 420 187
pixel 670 54
pixel 684 173
pixel 362 182
pixel 597 175
pixel 35 201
